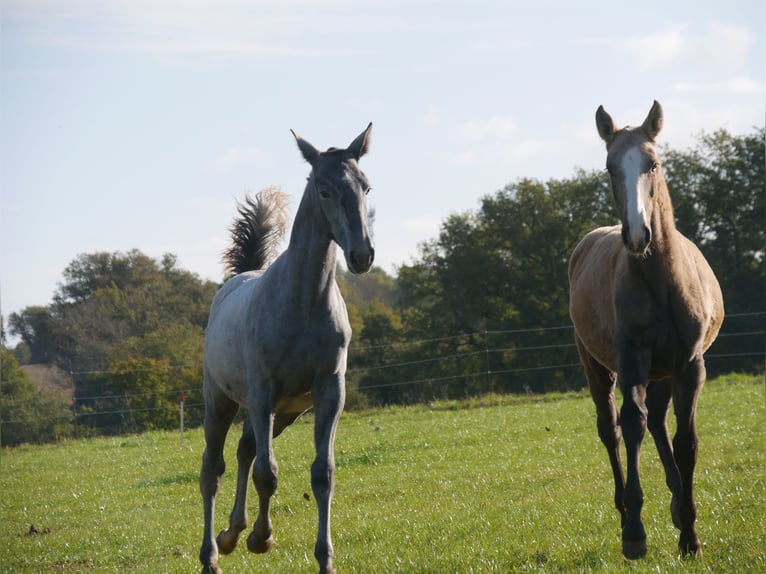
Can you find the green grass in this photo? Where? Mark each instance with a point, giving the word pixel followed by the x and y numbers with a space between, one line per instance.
pixel 501 485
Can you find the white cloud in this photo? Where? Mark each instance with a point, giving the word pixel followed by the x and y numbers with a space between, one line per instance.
pixel 734 86
pixel 186 28
pixel 658 49
pixel 725 47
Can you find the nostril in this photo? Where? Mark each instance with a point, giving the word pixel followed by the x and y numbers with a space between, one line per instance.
pixel 362 261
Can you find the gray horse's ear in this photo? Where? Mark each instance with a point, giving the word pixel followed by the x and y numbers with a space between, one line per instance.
pixel 604 124
pixel 653 122
pixel 309 152
pixel 361 144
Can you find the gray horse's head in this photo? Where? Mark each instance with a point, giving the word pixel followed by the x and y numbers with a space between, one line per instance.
pixel 634 169
pixel 341 189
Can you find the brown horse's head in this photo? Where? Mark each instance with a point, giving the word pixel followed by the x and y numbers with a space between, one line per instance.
pixel 634 169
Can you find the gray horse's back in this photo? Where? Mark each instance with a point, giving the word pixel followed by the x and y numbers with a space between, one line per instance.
pixel 223 355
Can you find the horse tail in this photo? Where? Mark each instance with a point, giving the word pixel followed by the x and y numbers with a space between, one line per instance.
pixel 256 231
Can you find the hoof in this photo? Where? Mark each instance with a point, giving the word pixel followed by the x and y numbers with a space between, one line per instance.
pixel 227 541
pixel 634 549
pixel 211 569
pixel 690 548
pixel 258 545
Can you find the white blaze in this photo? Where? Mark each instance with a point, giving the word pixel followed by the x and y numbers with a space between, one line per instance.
pixel 636 190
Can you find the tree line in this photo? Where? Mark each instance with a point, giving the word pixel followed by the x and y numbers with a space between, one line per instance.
pixel 482 309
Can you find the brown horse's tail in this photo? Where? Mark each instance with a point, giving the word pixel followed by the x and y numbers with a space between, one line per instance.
pixel 256 231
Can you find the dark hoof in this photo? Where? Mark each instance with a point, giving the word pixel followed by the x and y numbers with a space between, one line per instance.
pixel 227 541
pixel 690 548
pixel 634 549
pixel 259 545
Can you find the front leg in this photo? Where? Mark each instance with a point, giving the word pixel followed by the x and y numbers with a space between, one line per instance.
pixel 633 368
pixel 329 396
pixel 658 396
pixel 686 391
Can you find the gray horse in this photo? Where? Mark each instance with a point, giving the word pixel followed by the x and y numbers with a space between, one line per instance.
pixel 277 340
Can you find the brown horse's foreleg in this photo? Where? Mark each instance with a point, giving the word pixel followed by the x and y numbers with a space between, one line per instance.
pixel 633 368
pixel 658 395
pixel 228 539
pixel 329 397
pixel 219 413
pixel 685 394
pixel 601 386
pixel 264 476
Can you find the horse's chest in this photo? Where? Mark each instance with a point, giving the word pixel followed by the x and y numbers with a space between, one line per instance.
pixel 671 339
pixel 297 355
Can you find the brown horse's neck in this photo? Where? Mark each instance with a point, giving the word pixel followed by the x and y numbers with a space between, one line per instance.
pixel 661 266
pixel 663 223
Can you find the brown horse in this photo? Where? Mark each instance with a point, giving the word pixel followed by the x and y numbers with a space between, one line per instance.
pixel 645 306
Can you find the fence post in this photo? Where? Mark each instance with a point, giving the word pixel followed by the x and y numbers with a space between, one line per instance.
pixel 181 398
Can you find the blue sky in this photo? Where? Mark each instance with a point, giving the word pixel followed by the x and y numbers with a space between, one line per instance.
pixel 137 123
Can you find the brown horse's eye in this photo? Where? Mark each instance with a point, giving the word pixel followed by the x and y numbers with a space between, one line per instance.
pixel 654 167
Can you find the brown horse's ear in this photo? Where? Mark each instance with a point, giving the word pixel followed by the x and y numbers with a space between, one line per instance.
pixel 309 152
pixel 653 122
pixel 604 124
pixel 361 144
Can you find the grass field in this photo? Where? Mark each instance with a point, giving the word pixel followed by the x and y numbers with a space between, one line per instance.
pixel 504 484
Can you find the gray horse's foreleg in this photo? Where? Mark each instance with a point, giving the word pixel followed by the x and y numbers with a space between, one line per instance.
pixel 228 539
pixel 219 413
pixel 264 476
pixel 329 397
pixel 686 391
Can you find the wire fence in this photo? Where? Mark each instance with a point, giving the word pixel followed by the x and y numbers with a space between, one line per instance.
pixel 127 408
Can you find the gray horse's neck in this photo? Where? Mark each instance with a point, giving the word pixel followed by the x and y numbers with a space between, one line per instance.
pixel 311 252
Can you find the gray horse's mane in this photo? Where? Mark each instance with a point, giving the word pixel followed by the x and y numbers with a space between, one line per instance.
pixel 256 231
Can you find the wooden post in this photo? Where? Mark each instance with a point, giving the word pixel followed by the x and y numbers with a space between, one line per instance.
pixel 181 398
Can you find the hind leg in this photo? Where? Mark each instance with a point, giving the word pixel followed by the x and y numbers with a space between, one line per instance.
pixel 219 413
pixel 601 384
pixel 686 391
pixel 228 539
pixel 264 471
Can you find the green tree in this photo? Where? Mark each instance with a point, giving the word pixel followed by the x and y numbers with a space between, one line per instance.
pixel 116 310
pixel 491 274
pixel 26 415
pixel 718 195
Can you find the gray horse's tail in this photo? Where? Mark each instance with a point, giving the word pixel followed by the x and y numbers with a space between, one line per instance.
pixel 256 231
